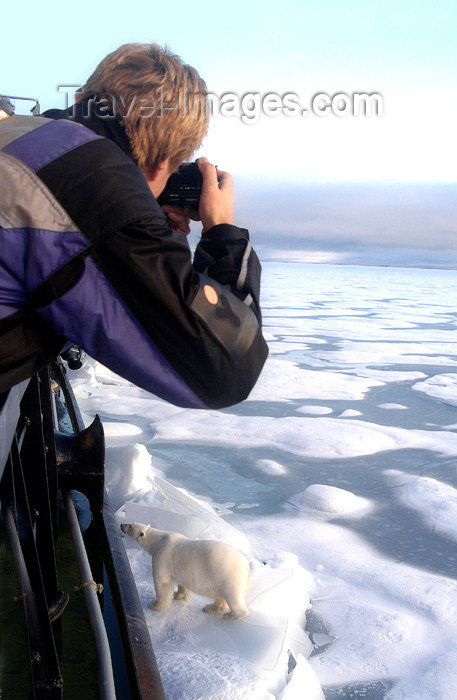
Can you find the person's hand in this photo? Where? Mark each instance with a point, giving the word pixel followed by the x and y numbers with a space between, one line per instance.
pixel 179 218
pixel 216 199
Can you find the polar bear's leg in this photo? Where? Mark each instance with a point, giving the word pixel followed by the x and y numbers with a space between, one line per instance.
pixel 164 595
pixel 182 593
pixel 237 605
pixel 218 606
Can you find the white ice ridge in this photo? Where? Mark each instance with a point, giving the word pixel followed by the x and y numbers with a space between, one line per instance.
pixel 315 410
pixel 308 437
pixel 330 500
pixel 409 353
pixel 270 466
pixel 435 500
pixel 441 386
pixel 284 381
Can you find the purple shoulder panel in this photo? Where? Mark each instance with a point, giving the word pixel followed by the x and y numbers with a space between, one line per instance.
pixel 111 334
pixel 41 146
pixel 28 258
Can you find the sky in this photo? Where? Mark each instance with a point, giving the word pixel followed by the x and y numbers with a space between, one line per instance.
pixel 259 57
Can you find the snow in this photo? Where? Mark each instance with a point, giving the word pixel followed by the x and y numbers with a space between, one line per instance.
pixel 269 466
pixel 315 410
pixel 436 501
pixel 395 406
pixel 282 381
pixel 329 499
pixel 302 436
pixel 443 386
pixel 337 479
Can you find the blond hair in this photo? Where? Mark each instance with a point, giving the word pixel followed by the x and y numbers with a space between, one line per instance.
pixel 161 101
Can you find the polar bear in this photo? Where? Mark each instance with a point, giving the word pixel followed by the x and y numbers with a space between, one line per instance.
pixel 206 567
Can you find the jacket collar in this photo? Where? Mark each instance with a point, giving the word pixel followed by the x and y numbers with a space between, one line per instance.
pixel 101 121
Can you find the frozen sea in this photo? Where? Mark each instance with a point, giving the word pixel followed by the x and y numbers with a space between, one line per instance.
pixel 337 478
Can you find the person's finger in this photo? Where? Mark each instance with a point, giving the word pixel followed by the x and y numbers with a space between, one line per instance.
pixel 178 217
pixel 209 172
pixel 225 180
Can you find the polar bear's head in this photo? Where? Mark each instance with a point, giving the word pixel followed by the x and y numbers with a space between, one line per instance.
pixel 136 531
pixel 148 537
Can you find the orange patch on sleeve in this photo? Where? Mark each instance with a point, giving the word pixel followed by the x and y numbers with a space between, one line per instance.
pixel 210 294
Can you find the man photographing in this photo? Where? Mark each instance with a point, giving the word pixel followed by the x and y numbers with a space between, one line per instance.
pixel 88 257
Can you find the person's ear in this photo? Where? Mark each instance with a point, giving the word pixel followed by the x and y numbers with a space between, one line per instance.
pixel 157 176
pixel 158 171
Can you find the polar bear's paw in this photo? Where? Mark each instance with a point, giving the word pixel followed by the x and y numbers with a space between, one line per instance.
pixel 217 607
pixel 158 606
pixel 236 615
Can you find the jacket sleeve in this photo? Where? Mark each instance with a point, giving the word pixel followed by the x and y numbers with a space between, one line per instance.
pixel 203 318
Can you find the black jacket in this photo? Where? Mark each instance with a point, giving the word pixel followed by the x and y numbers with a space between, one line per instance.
pixel 87 256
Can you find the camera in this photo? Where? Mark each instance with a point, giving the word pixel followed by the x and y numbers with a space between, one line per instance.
pixel 183 188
